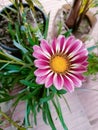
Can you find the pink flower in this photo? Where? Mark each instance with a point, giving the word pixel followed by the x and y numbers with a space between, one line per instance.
pixel 61 63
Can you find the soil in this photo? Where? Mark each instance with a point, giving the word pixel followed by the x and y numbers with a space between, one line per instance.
pixel 59 25
pixel 5 37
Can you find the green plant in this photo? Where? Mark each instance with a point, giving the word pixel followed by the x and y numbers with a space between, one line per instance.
pixel 93 60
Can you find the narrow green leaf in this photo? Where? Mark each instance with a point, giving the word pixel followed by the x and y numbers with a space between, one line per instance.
pixel 53 89
pixel 28 83
pixel 31 94
pixel 27 112
pixel 66 103
pixel 49 117
pixel 59 112
pixel 11 31
pixel 6 99
pixel 9 56
pixel 13 67
pixel 19 46
pixel 31 41
pixel 68 33
pixel 91 48
pixel 33 105
pixel 46 99
pixel 44 114
pixel 46 27
pixel 61 92
pixel 4 66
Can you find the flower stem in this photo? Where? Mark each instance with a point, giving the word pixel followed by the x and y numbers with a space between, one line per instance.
pixel 11 121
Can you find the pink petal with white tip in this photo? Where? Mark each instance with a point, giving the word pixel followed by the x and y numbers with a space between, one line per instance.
pixel 49 80
pixel 46 48
pixel 41 72
pixel 68 84
pixel 41 64
pixel 58 81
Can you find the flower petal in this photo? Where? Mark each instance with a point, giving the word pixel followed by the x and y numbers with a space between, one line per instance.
pixel 80 69
pixel 74 48
pixel 41 72
pixel 82 51
pixel 61 39
pixel 79 59
pixel 85 63
pixel 59 43
pixel 38 53
pixel 68 84
pixel 77 82
pixel 41 64
pixel 49 80
pixel 53 44
pixel 68 42
pixel 80 77
pixel 58 81
pixel 46 47
pixel 36 48
pixel 40 80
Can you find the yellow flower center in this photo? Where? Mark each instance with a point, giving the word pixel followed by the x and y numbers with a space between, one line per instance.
pixel 59 64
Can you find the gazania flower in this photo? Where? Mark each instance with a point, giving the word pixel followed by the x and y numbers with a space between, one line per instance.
pixel 61 63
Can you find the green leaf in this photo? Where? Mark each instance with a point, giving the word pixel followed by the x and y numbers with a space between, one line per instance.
pixel 60 92
pixel 6 99
pixel 11 31
pixel 28 83
pixel 49 117
pixel 19 46
pixel 68 33
pixel 44 114
pixel 33 105
pixel 60 25
pixel 6 64
pixel 46 27
pixel 17 31
pixel 30 39
pixel 46 99
pixel 13 67
pixel 66 103
pixel 53 89
pixel 91 48
pixel 31 94
pixel 11 57
pixel 27 112
pixel 59 112
pixel 93 64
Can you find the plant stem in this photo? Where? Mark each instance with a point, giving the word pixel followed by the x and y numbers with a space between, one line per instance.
pixel 11 121
pixel 14 59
